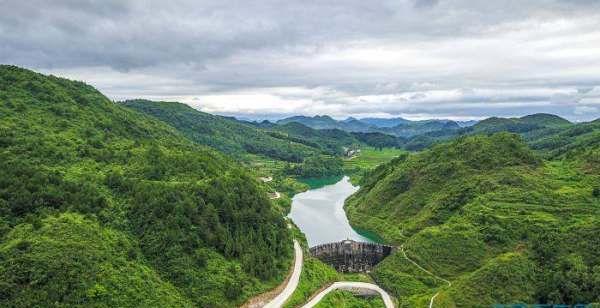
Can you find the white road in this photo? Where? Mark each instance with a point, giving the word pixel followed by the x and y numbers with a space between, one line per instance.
pixel 350 286
pixel 289 289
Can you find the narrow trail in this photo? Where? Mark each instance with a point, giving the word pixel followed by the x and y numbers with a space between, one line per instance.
pixel 428 272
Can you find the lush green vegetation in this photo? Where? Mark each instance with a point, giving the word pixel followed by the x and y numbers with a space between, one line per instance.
pixel 346 299
pixel 283 153
pixel 315 275
pixel 499 219
pixel 73 261
pixel 380 140
pixel 224 134
pixel 316 167
pixel 368 159
pixel 101 205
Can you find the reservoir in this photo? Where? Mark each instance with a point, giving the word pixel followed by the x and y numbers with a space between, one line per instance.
pixel 319 213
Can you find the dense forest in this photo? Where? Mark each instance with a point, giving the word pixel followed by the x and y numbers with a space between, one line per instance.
pixel 504 222
pixel 104 206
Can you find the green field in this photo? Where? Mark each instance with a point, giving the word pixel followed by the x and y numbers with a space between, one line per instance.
pixel 367 159
pixel 348 300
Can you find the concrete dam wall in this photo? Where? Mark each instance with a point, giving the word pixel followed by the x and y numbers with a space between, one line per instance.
pixel 351 257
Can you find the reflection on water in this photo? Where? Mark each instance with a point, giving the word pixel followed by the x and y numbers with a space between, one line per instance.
pixel 319 213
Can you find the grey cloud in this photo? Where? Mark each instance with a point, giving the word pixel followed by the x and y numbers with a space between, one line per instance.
pixel 425 3
pixel 351 49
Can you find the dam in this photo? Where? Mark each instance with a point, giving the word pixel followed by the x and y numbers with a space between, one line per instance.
pixel 349 256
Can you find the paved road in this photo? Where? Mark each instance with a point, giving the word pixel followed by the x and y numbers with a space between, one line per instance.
pixel 280 299
pixel 350 286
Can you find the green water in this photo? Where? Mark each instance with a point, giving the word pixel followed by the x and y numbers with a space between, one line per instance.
pixel 315 183
pixel 319 212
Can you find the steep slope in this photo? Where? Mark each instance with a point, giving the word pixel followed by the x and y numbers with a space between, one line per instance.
pixel 63 260
pixel 104 206
pixel 576 140
pixel 479 209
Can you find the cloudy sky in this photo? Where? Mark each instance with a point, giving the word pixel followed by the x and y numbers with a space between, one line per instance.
pixel 459 59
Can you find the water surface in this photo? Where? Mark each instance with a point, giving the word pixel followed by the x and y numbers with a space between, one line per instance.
pixel 319 213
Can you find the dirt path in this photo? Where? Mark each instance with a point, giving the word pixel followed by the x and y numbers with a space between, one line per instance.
pixel 428 272
pixel 275 195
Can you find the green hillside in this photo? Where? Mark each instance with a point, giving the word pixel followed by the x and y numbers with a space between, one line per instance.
pixel 103 206
pixel 530 127
pixel 225 134
pixel 491 215
pixel 520 125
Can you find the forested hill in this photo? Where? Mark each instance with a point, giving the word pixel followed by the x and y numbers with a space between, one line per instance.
pixel 397 127
pixel 104 206
pixel 225 134
pixel 493 216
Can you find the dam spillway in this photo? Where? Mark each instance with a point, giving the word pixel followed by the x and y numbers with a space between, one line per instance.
pixel 350 256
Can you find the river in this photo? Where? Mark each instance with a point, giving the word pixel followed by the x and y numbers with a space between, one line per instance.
pixel 319 213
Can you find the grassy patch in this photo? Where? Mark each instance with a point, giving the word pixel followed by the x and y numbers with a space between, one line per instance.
pixel 346 299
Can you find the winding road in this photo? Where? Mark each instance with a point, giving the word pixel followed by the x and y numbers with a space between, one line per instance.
pixel 289 289
pixel 353 287
pixel 292 284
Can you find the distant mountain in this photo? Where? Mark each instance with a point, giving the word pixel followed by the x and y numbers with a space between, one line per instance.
pixel 317 122
pixel 419 128
pixel 418 135
pixel 350 119
pixel 466 123
pixel 545 119
pixel 382 122
pixel 398 127
pixel 520 125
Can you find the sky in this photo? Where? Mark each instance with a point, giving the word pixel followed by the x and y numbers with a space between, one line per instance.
pixel 419 59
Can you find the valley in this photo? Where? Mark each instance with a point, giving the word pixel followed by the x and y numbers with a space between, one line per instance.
pixel 158 204
pixel 297 154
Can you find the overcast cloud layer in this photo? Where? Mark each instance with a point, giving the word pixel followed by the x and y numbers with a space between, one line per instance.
pixel 459 59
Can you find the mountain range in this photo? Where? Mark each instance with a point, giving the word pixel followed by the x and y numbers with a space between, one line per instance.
pixel 398 127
